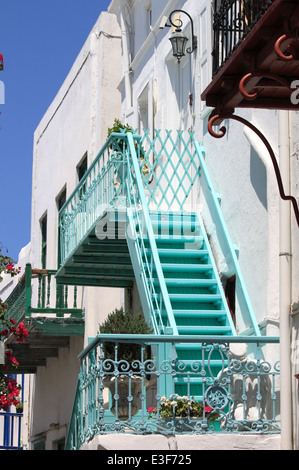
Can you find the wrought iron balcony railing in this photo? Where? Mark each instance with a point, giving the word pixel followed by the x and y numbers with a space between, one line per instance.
pixel 230 387
pixel 233 20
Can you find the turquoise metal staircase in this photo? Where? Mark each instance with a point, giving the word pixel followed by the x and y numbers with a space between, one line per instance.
pixel 191 277
pixel 123 224
pixel 195 292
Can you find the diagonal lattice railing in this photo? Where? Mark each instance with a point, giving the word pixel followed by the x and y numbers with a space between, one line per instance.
pixel 170 168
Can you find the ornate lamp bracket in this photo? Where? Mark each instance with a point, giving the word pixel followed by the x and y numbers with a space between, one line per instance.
pixel 216 119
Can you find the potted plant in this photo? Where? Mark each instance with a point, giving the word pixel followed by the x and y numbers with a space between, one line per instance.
pixel 122 367
pixel 118 127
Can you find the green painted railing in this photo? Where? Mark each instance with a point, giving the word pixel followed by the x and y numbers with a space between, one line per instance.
pixel 239 387
pixel 38 294
pixel 45 296
pixel 16 301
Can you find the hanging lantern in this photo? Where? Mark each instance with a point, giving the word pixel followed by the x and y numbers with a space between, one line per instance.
pixel 178 39
pixel 178 42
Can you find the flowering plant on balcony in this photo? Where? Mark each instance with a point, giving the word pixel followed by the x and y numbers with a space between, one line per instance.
pixel 181 407
pixel 9 389
pixel 9 393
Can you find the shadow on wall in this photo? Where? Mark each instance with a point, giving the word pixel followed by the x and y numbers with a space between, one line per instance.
pixel 258 177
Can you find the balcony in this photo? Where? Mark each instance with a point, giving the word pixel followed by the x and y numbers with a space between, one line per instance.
pixel 230 387
pixel 255 55
pixel 51 315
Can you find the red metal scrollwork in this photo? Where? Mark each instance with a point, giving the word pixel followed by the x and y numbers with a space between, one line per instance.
pixel 246 77
pixel 216 118
pixel 277 46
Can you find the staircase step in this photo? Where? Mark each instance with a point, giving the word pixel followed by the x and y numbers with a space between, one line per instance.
pixel 171 267
pixel 180 253
pixel 203 330
pixel 195 297
pixel 176 282
pixel 200 313
pixel 171 239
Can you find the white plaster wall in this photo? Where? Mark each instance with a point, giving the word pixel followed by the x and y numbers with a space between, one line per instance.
pixel 294 178
pixel 156 443
pixel 243 177
pixel 50 397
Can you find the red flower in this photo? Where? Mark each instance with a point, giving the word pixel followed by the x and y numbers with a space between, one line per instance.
pixel 151 409
pixel 208 409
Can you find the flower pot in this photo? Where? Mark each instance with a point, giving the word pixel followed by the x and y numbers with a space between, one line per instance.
pixel 125 392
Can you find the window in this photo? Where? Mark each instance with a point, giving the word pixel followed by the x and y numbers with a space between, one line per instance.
pixel 43 225
pixel 82 167
pixel 39 445
pixel 59 444
pixel 81 170
pixel 61 198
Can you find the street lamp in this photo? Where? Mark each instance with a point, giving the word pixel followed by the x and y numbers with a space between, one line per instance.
pixel 177 39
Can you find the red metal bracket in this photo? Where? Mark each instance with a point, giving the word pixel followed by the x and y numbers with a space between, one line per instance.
pixel 278 45
pixel 217 118
pixel 246 77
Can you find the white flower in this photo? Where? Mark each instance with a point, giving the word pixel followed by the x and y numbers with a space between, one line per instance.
pixel 173 403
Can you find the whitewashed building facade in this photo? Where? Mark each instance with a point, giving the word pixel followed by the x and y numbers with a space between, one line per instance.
pixel 126 70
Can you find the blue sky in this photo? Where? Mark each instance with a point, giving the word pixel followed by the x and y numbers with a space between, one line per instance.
pixel 39 40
